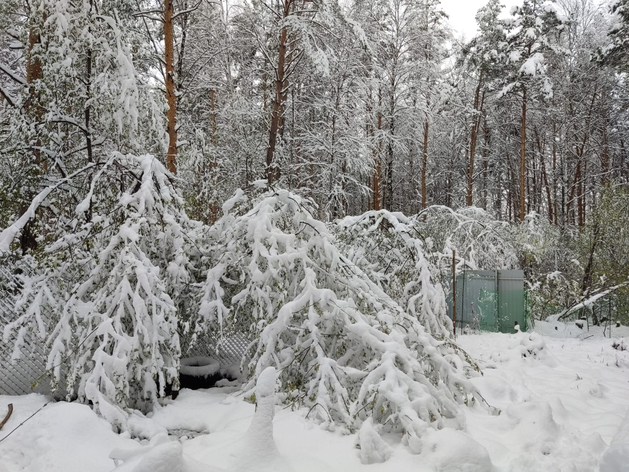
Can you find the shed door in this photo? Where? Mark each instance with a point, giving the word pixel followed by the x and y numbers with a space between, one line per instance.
pixel 510 299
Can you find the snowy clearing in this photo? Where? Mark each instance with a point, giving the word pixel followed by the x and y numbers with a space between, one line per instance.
pixel 563 401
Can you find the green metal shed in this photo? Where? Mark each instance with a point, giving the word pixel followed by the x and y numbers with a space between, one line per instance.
pixel 489 300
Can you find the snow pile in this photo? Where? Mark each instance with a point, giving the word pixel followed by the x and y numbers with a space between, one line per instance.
pixel 532 345
pixel 550 420
pixel 521 345
pixel 617 456
pixel 342 346
pixel 161 454
pixel 372 448
pixel 449 450
pixel 558 410
pixel 66 437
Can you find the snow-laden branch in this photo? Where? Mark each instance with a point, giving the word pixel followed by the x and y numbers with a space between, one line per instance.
pixel 12 75
pixel 9 234
pixel 591 300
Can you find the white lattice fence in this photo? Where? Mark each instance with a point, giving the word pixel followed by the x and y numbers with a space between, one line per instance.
pixel 18 376
pixel 228 352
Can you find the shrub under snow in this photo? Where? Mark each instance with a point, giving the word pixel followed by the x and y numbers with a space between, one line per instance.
pixel 389 249
pixel 102 302
pixel 341 345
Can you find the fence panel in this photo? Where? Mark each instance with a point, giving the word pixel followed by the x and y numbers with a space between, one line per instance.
pixel 18 376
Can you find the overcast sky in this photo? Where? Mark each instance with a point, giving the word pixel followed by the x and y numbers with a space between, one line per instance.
pixel 462 13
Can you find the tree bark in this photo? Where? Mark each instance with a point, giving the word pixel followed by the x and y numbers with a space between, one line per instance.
pixel 478 108
pixel 485 162
pixel 377 177
pixel 523 157
pixel 272 170
pixel 544 176
pixel 171 95
pixel 425 163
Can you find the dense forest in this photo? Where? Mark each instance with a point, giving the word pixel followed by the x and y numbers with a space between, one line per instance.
pixel 165 163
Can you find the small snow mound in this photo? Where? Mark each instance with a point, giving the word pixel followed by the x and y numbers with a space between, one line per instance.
pixel 534 423
pixel 495 390
pixel 616 457
pixel 160 455
pixel 166 457
pixel 454 451
pixel 372 447
pixel 532 345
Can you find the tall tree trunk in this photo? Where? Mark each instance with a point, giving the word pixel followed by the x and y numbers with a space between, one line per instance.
pixel 544 176
pixel 213 171
pixel 581 195
pixel 171 95
pixel 272 169
pixel 605 160
pixel 425 163
pixel 555 208
pixel 35 111
pixel 369 132
pixel 88 81
pixel 523 157
pixel 34 73
pixel 485 162
pixel 377 176
pixel 574 192
pixel 389 197
pixel 478 108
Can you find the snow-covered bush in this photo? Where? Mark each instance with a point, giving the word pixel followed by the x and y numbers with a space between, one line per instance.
pixel 481 242
pixel 341 345
pixel 389 249
pixel 106 295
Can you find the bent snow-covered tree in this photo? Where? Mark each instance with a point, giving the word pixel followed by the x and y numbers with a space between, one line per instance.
pixel 109 288
pixel 390 250
pixel 341 345
pixel 478 239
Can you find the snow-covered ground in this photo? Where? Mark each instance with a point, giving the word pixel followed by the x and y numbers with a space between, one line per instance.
pixel 563 401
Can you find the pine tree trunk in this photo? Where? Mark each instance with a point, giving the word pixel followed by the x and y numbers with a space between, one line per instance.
pixel 478 108
pixel 171 96
pixel 485 162
pixel 377 177
pixel 555 208
pixel 34 73
pixel 389 197
pixel 272 170
pixel 425 163
pixel 544 176
pixel 523 157
pixel 605 160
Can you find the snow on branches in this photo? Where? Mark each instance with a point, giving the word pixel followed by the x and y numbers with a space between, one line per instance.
pixel 341 345
pixel 390 250
pixel 480 240
pixel 110 289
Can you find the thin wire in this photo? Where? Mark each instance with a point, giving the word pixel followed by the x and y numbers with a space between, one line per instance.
pixel 22 423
